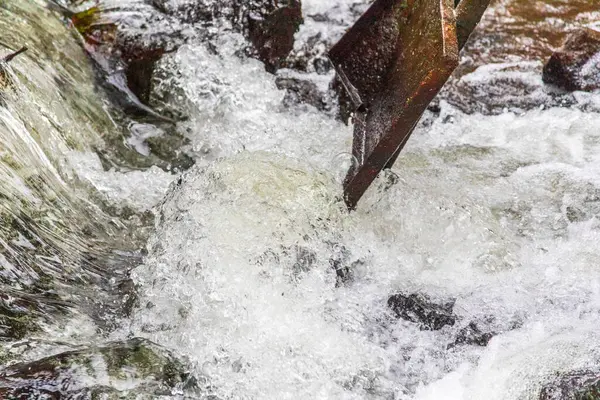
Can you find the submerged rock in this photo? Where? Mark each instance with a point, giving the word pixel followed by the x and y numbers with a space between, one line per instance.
pixel 301 91
pixel 311 55
pixel 420 309
pixel 472 335
pixel 580 385
pixel 577 65
pixel 133 368
pixel 497 88
pixel 168 147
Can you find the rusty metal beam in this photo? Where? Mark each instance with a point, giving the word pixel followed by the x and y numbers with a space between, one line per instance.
pixel 393 62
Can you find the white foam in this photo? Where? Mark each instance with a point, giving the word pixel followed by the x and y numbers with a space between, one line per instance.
pixel 141 190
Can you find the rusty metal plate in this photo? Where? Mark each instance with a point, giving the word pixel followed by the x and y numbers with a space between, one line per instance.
pixel 468 15
pixel 393 62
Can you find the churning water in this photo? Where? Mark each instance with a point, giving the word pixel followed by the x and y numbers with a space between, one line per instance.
pixel 497 210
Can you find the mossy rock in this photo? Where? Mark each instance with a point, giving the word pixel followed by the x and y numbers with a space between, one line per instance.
pixel 136 368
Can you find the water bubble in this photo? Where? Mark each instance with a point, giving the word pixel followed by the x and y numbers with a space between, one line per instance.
pixel 341 164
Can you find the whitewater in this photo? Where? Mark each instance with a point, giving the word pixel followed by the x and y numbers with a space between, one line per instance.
pixel 258 277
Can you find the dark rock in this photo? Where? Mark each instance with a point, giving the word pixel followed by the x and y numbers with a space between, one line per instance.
pixel 148 370
pixel 189 11
pixel 139 73
pixel 498 89
pixel 300 91
pixel 434 107
pixel 472 335
pixel 270 25
pixel 580 385
pixel 420 309
pixel 577 65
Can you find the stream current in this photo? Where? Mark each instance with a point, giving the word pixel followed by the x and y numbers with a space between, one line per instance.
pixel 231 265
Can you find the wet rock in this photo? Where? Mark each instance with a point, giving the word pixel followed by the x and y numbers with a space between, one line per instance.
pixel 472 335
pixel 577 65
pixel 580 385
pixel 301 91
pixel 133 368
pixel 146 146
pixel 126 56
pixel 497 88
pixel 168 97
pixel 270 25
pixel 139 73
pixel 310 55
pixel 168 148
pixel 418 308
pixel 189 11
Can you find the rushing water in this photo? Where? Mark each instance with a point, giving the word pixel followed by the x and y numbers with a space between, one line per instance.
pixel 495 204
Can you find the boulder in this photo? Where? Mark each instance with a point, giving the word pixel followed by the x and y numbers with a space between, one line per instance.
pixel 270 26
pixel 576 66
pixel 419 308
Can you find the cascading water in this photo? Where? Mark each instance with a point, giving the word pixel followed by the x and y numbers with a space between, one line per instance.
pixel 255 277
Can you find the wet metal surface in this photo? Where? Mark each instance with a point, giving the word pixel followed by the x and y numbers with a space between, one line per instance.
pixel 393 62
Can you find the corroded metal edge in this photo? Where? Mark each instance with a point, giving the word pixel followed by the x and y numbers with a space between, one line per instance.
pixel 468 15
pixel 393 62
